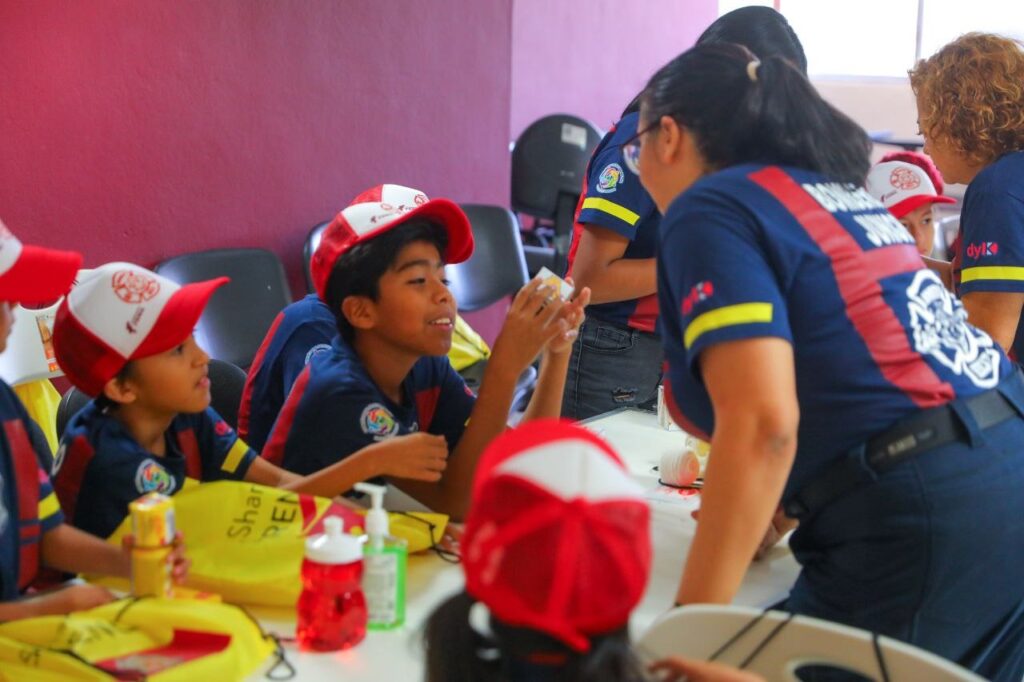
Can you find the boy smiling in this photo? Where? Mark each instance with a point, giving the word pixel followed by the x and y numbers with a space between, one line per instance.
pixel 380 269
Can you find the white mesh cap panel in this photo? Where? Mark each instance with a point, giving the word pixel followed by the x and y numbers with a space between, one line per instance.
pixel 571 469
pixel 120 303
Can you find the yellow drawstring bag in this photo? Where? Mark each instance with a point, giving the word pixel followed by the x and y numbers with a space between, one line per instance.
pixel 468 347
pixel 246 541
pixel 162 640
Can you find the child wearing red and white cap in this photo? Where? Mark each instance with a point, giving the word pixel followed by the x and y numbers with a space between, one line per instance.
pixel 124 335
pixel 557 553
pixel 386 377
pixel 909 185
pixel 33 534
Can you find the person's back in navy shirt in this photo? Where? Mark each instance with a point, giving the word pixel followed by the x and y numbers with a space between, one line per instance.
pixel 301 330
pixel 785 253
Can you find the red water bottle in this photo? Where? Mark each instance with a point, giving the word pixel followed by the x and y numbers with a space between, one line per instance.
pixel 332 610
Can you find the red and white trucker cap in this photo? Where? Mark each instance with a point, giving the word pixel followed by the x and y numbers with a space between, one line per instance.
pixel 557 538
pixel 902 187
pixel 32 274
pixel 384 208
pixel 123 312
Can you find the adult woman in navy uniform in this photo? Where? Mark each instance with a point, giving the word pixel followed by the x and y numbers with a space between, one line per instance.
pixel 904 462
pixel 617 360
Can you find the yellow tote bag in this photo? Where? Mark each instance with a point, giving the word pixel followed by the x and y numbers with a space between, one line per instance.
pixel 155 639
pixel 246 541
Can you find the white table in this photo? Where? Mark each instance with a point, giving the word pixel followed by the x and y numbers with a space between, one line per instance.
pixel 397 655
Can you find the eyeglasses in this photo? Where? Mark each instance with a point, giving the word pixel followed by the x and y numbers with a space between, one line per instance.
pixel 631 148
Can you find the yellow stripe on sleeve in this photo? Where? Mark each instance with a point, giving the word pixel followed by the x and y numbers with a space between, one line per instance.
pixel 612 209
pixel 741 313
pixel 234 456
pixel 48 506
pixel 992 272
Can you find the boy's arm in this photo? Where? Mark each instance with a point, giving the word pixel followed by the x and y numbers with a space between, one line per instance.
pixel 547 396
pixel 74 551
pixel 533 322
pixel 420 456
pixel 55 603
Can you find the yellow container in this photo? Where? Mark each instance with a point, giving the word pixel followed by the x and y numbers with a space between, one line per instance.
pixel 151 574
pixel 152 520
pixel 153 531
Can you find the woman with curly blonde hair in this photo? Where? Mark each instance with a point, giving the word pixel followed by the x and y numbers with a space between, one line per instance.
pixel 970 104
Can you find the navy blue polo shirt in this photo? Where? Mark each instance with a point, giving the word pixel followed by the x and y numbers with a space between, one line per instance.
pixel 990 256
pixel 100 467
pixel 613 198
pixel 762 251
pixel 335 409
pixel 301 330
pixel 16 442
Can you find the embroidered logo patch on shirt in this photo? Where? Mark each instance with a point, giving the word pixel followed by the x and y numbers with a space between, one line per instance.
pixel 318 348
pixel 377 421
pixel 151 477
pixel 610 178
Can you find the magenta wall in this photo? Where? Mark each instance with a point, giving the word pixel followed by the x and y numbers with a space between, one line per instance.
pixel 139 129
pixel 590 58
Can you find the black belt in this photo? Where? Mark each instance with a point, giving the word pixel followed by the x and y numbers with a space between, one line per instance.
pixel 920 432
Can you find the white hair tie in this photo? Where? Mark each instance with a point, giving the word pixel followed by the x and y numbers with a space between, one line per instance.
pixel 752 69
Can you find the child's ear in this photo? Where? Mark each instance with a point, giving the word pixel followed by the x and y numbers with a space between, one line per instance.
pixel 360 312
pixel 119 391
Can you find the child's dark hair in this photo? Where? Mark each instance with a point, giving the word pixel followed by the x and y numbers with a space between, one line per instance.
pixel 123 374
pixel 458 653
pixel 742 111
pixel 761 30
pixel 358 272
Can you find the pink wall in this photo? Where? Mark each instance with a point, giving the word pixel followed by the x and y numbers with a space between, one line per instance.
pixel 590 58
pixel 139 129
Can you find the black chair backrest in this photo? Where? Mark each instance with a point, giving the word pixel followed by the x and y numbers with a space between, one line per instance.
pixel 549 163
pixel 226 384
pixel 312 241
pixel 239 313
pixel 70 403
pixel 497 268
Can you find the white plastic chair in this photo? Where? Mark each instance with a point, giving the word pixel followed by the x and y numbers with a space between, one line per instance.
pixel 700 631
pixel 26 356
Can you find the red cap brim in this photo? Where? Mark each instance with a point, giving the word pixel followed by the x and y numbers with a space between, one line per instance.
pixel 39 275
pixel 910 203
pixel 179 317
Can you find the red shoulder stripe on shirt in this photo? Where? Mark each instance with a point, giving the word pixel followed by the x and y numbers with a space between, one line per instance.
pixel 193 458
pixel 426 406
pixel 245 407
pixel 857 278
pixel 68 479
pixel 273 451
pixel 26 471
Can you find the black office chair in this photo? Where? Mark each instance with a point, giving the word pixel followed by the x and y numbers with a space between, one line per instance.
pixel 239 313
pixel 496 270
pixel 226 384
pixel 312 241
pixel 549 164
pixel 497 267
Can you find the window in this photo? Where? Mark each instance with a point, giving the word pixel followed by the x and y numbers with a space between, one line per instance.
pixel 884 38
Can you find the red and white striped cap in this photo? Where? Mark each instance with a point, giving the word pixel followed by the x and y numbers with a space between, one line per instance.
pixel 557 538
pixel 902 187
pixel 123 312
pixel 32 274
pixel 384 208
